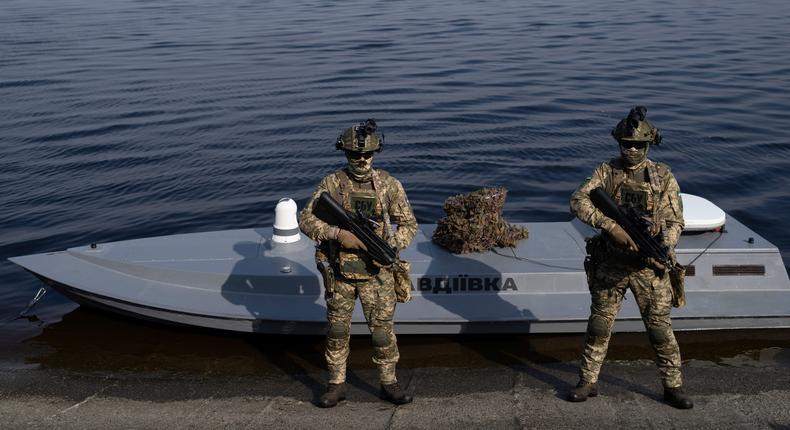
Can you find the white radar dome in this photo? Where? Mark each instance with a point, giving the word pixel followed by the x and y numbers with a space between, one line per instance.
pixel 286 227
pixel 699 214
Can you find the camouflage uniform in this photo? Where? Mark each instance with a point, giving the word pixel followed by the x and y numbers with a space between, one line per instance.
pixel 651 188
pixel 380 197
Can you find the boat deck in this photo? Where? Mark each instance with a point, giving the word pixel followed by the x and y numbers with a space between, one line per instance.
pixel 240 280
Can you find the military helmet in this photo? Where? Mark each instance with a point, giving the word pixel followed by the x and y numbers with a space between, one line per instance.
pixel 361 138
pixel 635 127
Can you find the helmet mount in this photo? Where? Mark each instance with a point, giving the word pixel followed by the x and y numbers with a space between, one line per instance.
pixel 635 127
pixel 361 138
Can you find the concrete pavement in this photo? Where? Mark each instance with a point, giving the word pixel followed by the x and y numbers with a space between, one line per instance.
pixel 747 391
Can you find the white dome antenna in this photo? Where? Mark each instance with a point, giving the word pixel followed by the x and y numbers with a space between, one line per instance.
pixel 700 214
pixel 286 227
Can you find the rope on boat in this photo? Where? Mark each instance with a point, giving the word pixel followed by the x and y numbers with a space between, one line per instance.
pixel 529 260
pixel 39 294
pixel 721 232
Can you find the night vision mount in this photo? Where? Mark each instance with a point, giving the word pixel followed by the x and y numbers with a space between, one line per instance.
pixel 360 134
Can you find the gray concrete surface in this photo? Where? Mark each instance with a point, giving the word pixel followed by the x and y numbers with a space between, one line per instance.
pixel 742 392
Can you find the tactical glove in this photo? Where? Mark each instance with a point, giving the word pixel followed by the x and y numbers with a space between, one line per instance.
pixel 654 264
pixel 622 239
pixel 349 241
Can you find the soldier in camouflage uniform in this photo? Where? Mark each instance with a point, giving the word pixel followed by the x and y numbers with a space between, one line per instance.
pixel 632 181
pixel 348 270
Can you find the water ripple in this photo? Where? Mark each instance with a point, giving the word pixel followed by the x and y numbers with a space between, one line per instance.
pixel 138 118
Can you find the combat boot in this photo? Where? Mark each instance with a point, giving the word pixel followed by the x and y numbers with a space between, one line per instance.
pixel 582 391
pixel 395 394
pixel 677 398
pixel 334 394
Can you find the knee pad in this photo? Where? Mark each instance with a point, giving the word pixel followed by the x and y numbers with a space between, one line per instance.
pixel 381 337
pixel 657 336
pixel 338 330
pixel 598 326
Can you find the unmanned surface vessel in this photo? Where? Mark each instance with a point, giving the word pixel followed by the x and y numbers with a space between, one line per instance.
pixel 265 280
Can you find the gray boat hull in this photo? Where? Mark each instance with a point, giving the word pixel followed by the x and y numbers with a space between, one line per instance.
pixel 240 280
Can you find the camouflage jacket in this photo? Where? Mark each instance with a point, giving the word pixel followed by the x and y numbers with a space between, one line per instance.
pixel 657 191
pixel 353 195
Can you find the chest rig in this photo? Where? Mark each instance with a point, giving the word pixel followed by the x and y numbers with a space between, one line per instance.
pixel 640 190
pixel 369 199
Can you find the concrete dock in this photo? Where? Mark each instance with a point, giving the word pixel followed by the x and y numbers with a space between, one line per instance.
pixel 746 391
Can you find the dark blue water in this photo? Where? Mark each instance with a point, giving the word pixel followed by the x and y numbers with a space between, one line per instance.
pixel 131 118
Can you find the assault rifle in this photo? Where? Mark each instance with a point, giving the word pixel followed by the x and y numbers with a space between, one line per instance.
pixel 331 212
pixel 635 226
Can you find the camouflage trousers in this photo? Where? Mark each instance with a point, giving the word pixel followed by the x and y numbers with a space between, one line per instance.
pixel 377 296
pixel 653 296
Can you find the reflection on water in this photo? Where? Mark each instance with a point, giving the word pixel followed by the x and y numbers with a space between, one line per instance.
pixel 129 119
pixel 89 340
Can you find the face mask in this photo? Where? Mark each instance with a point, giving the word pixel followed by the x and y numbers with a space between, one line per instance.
pixel 359 167
pixel 633 153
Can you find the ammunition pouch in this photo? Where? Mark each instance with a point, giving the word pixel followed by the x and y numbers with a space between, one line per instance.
pixel 677 278
pixel 356 265
pixel 401 272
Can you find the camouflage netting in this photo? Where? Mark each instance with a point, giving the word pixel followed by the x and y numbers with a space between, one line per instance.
pixel 474 223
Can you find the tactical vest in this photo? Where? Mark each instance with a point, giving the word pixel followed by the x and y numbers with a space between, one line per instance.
pixel 641 190
pixel 369 198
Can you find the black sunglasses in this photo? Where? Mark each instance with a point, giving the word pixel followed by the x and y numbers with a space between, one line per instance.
pixel 358 155
pixel 636 144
